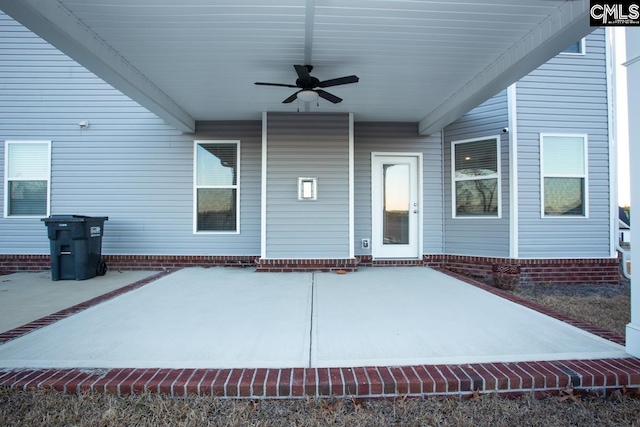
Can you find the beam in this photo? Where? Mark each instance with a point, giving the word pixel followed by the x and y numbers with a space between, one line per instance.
pixel 633 88
pixel 58 26
pixel 569 24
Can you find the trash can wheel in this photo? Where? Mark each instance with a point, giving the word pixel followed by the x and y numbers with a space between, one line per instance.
pixel 101 269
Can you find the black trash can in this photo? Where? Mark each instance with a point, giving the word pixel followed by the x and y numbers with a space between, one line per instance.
pixel 76 246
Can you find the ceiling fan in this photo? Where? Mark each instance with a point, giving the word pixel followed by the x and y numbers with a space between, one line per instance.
pixel 308 84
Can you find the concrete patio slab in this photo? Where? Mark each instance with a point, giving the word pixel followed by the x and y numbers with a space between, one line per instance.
pixel 235 318
pixel 28 296
pixel 408 316
pixel 193 318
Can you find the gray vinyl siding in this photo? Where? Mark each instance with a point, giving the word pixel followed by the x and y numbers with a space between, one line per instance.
pixel 312 146
pixel 398 137
pixel 478 236
pixel 566 95
pixel 129 165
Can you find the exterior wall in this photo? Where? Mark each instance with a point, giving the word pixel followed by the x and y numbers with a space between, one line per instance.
pixel 478 236
pixel 128 165
pixel 566 95
pixel 398 137
pixel 311 146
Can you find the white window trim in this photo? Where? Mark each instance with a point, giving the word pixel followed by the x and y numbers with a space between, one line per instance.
pixel 585 176
pixel 195 186
pixel 454 180
pixel 583 49
pixel 6 177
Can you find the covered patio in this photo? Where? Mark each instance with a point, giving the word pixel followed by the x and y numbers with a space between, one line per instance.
pixel 380 331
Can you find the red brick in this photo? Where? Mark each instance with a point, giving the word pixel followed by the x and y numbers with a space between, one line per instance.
pixel 440 382
pixel 219 386
pixel 375 381
pixel 271 383
pixel 336 381
pixel 324 381
pixel 297 382
pixel 388 382
pixel 350 383
pixel 257 385
pixel 362 382
pixel 310 382
pixel 284 383
pixel 166 385
pixel 205 386
pixel 179 386
pixel 414 385
pixel 426 381
pixel 113 386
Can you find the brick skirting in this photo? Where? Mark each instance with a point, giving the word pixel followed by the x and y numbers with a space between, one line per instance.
pixel 293 265
pixel 604 271
pixel 540 378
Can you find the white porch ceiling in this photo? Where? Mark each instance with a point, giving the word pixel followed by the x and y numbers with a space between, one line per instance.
pixel 427 62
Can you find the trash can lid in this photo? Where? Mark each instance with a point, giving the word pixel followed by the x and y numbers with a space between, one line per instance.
pixel 73 218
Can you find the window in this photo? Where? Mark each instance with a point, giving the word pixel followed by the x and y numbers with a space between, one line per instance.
pixel 476 172
pixel 576 48
pixel 564 175
pixel 27 175
pixel 216 186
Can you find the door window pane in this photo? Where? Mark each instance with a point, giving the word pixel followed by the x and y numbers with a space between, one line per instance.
pixel 396 190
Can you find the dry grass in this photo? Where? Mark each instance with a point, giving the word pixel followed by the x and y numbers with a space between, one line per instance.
pixel 607 307
pixel 47 408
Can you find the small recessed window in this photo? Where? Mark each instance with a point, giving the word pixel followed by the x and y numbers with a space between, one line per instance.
pixel 216 186
pixel 27 176
pixel 564 175
pixel 476 183
pixel 576 48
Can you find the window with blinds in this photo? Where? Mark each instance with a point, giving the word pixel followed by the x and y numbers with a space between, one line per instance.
pixel 564 175
pixel 216 176
pixel 475 176
pixel 27 176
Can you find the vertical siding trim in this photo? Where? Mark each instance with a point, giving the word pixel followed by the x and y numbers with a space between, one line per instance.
pixel 351 190
pixel 263 190
pixel 613 144
pixel 513 170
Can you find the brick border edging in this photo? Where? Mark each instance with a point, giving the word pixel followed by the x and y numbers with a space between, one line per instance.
pixel 52 318
pixel 540 378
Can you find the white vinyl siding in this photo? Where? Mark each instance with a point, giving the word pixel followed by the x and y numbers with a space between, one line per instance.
pixel 216 186
pixel 564 175
pixel 566 96
pixel 27 178
pixel 475 167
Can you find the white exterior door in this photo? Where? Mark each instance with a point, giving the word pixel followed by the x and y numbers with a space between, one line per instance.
pixel 396 204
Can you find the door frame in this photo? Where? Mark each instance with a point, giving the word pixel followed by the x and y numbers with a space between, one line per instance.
pixel 375 224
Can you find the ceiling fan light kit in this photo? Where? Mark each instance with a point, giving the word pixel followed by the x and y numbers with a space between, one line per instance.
pixel 308 84
pixel 307 95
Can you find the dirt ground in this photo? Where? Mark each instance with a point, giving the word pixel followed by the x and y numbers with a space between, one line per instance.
pixel 605 306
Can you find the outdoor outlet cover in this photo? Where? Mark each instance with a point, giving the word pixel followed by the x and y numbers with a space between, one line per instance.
pixel 365 243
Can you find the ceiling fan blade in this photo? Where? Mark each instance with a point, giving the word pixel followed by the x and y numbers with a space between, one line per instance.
pixel 291 98
pixel 275 84
pixel 339 81
pixel 329 97
pixel 303 74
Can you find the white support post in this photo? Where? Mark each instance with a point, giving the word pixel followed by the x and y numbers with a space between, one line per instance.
pixel 633 90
